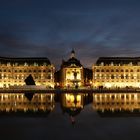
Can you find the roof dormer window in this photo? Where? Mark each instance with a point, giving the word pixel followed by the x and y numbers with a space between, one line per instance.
pixel 102 63
pixel 112 64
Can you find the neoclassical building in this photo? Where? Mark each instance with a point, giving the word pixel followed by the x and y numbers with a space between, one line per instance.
pixel 13 71
pixel 115 72
pixel 71 72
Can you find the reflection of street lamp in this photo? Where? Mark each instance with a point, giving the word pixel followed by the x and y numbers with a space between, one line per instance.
pixel 75 100
pixel 75 103
pixel 72 120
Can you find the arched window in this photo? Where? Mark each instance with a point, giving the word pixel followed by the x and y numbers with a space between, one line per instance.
pixel 20 77
pixel 122 96
pixel 49 70
pixel 126 76
pixel 126 70
pixel 112 76
pixel 117 70
pixel 49 77
pixel 122 70
pixel 97 76
pixel 102 76
pixel 132 77
pixel 112 70
pixel 122 77
pixel 117 76
pixel 107 70
pixel 102 70
pixel 131 70
pixel 113 97
pixel 97 70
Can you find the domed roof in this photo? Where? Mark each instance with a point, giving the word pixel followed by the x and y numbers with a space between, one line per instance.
pixel 71 61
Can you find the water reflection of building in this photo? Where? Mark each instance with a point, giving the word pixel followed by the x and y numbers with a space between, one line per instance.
pixel 18 102
pixel 117 72
pixel 116 102
pixel 13 71
pixel 72 103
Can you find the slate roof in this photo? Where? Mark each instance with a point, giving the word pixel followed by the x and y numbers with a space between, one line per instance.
pixel 118 60
pixel 23 60
pixel 71 62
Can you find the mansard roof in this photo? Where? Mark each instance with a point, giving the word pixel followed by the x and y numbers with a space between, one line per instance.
pixel 23 60
pixel 118 60
pixel 71 62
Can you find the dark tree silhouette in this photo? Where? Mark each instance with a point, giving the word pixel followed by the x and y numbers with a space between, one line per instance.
pixel 29 81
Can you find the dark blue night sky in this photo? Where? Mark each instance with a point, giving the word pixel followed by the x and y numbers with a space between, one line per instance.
pixel 51 28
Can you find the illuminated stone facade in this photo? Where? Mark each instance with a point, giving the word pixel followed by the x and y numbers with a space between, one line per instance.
pixel 71 72
pixel 13 71
pixel 116 72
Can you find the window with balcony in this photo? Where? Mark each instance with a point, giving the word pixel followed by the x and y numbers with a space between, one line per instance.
pixel 102 70
pixel 126 70
pixel 112 70
pixel 122 77
pixel 112 76
pixel 97 70
pixel 127 77
pixel 107 70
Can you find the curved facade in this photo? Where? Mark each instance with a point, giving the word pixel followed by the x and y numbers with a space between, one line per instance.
pixel 71 72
